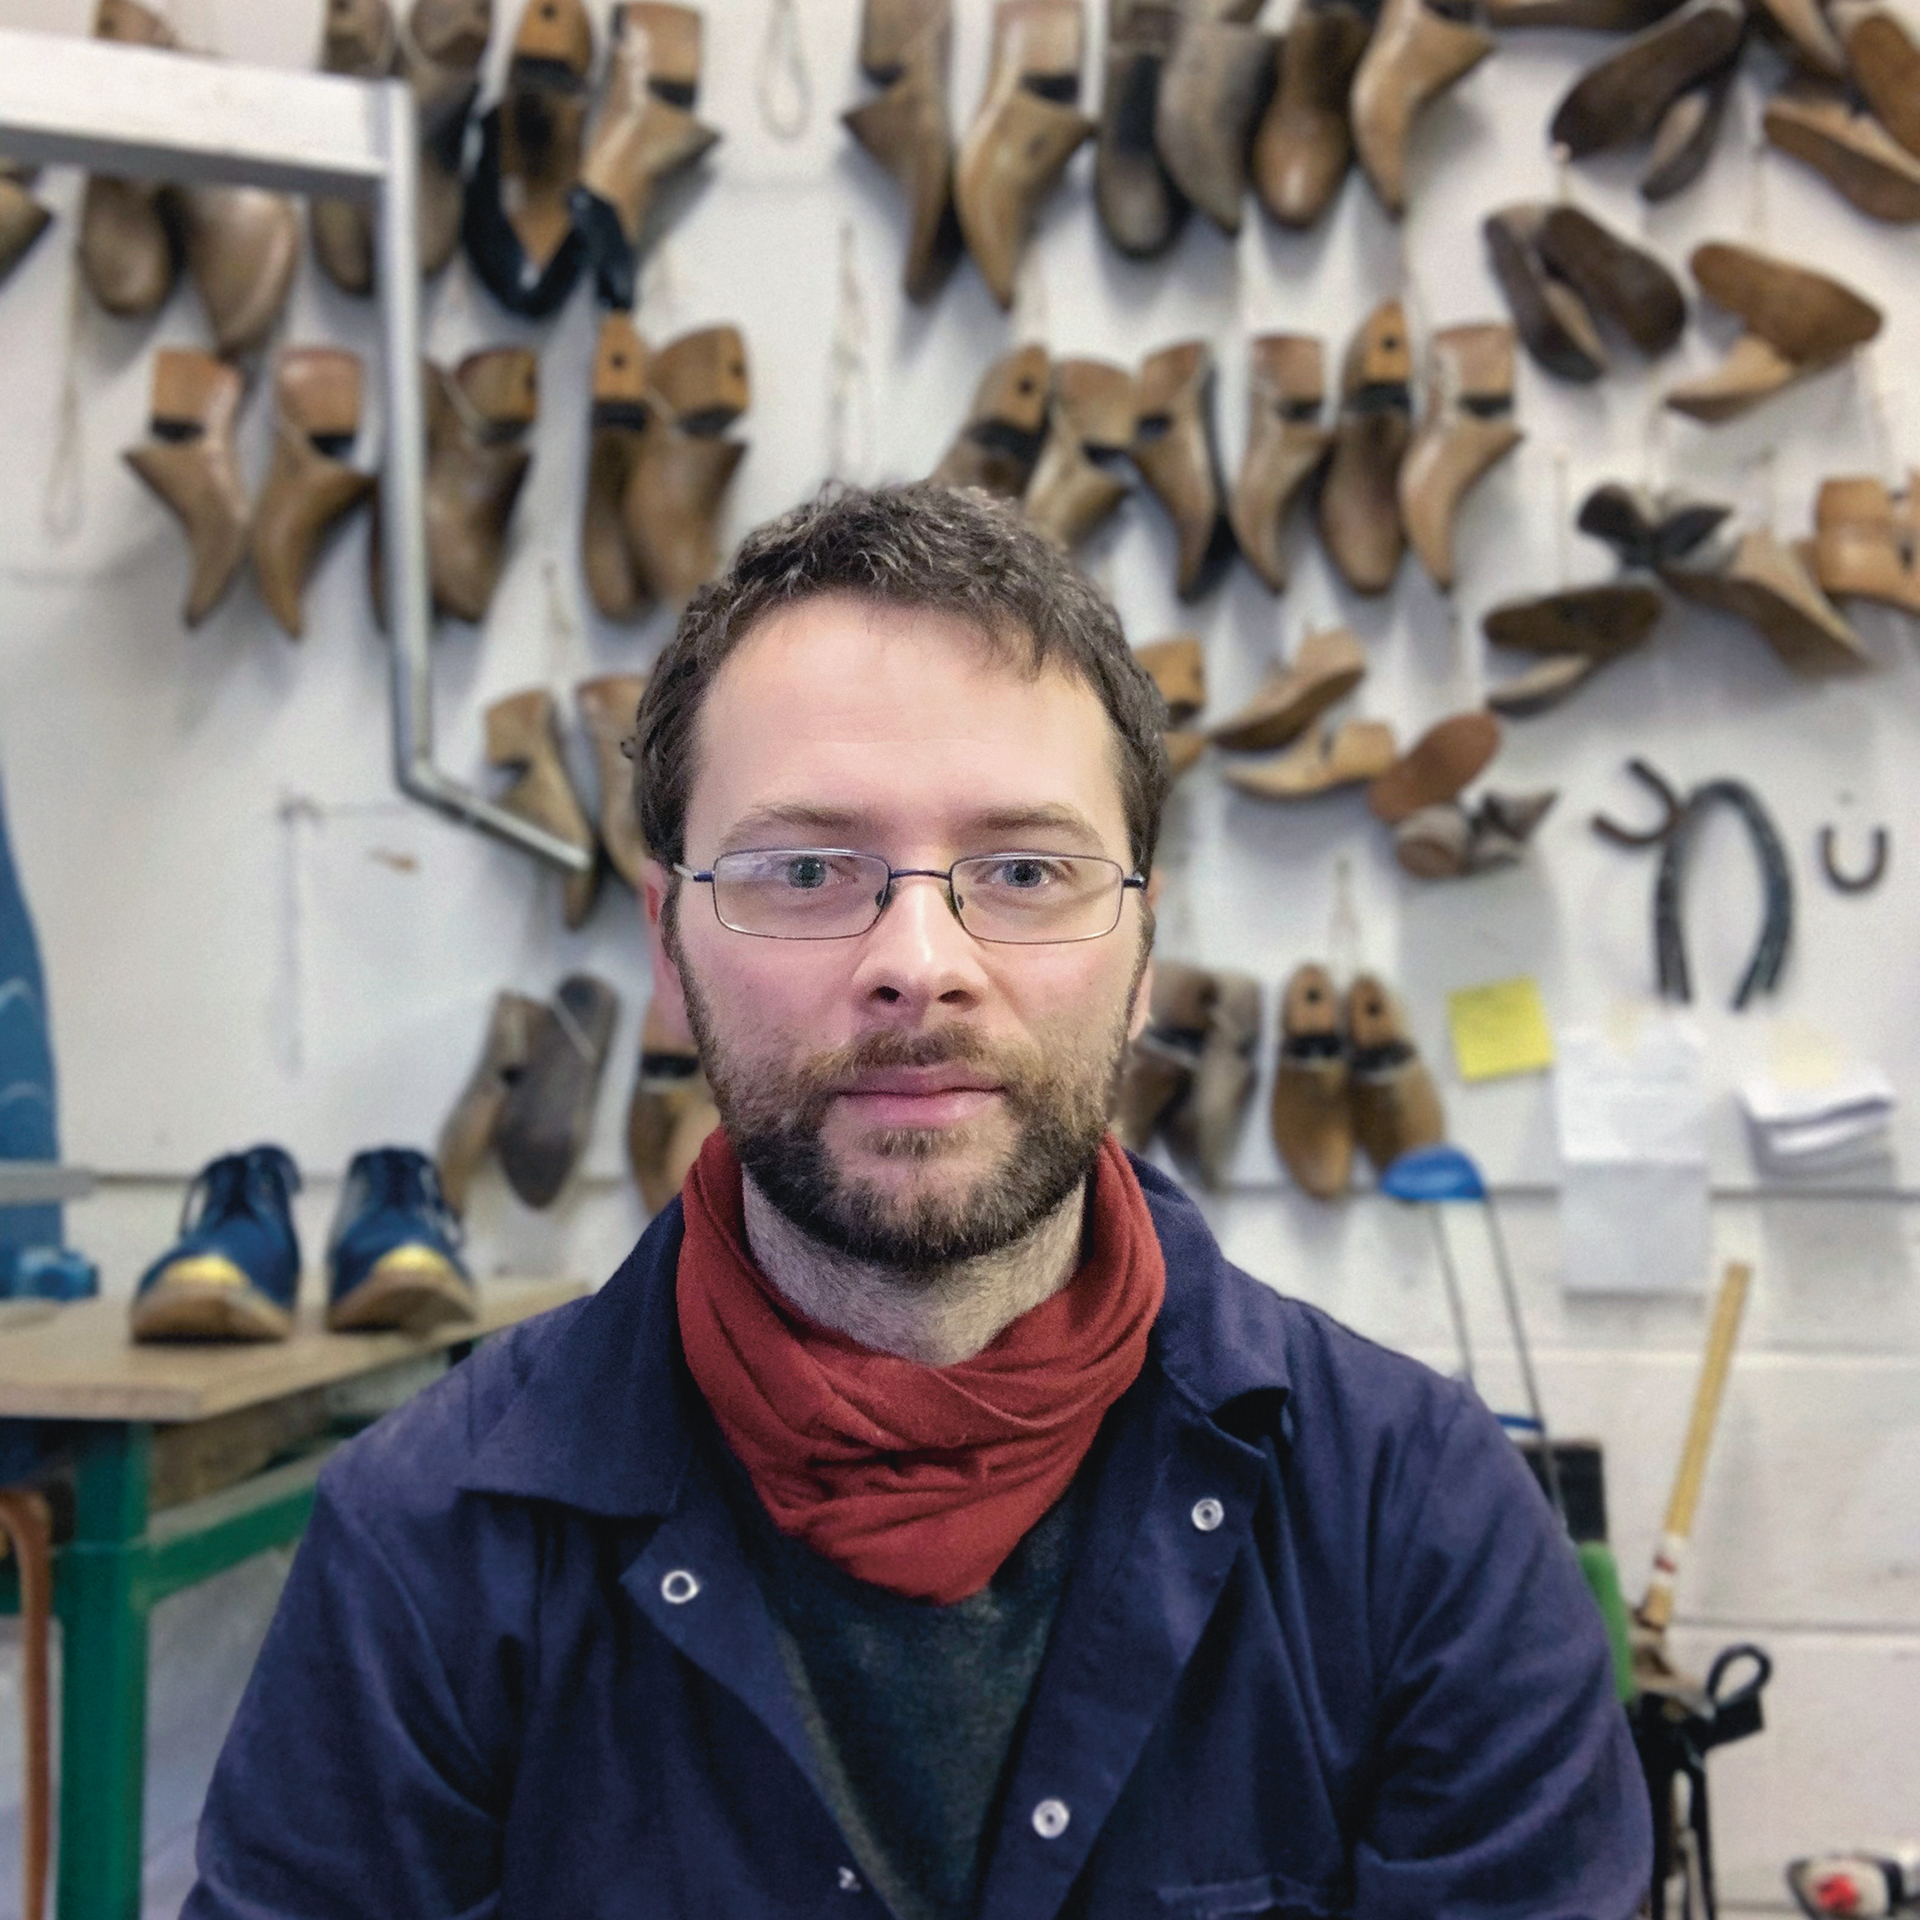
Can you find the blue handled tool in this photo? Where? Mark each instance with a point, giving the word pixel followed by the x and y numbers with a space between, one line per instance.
pixel 1443 1176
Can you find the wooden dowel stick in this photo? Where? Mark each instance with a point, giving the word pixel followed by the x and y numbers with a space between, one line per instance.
pixel 1657 1608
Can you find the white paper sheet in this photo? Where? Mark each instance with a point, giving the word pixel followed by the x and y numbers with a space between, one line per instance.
pixel 1632 1112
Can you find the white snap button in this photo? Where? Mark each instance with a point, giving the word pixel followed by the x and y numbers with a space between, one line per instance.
pixel 849 1880
pixel 1208 1513
pixel 678 1587
pixel 1050 1819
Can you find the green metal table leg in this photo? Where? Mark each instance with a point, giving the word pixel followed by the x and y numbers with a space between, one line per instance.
pixel 104 1686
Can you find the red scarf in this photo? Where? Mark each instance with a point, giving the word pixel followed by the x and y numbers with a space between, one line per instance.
pixel 919 1479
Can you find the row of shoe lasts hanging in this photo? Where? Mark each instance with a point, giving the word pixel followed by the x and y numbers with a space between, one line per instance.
pixel 1347 1074
pixel 1200 102
pixel 547 196
pixel 544 200
pixel 657 472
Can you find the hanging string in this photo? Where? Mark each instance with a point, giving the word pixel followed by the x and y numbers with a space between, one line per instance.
pixel 1769 491
pixel 1757 148
pixel 562 629
pixel 64 505
pixel 1879 427
pixel 1419 315
pixel 1562 517
pixel 782 84
pixel 1344 942
pixel 1030 316
pixel 1653 446
pixel 295 811
pixel 1463 675
pixel 849 385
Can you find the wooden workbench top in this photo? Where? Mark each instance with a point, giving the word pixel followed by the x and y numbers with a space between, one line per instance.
pixel 77 1363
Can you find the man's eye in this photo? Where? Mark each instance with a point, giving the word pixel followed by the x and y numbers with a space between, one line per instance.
pixel 1024 875
pixel 807 872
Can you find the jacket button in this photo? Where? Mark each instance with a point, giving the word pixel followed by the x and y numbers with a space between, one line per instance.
pixel 1050 1819
pixel 1208 1513
pixel 678 1587
pixel 849 1880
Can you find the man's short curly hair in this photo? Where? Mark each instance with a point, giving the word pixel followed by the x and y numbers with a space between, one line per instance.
pixel 916 546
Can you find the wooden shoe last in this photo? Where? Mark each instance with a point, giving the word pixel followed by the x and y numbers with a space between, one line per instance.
pixel 1305 141
pixel 906 129
pixel 1090 421
pixel 518 220
pixel 1553 321
pixel 1213 92
pixel 1469 426
pixel 1414 56
pixel 670 1113
pixel 1311 1114
pixel 359 40
pixel 1337 756
pixel 1864 545
pixel 1023 136
pixel 1765 583
pixel 129 242
pixel 999 445
pixel 467 1135
pixel 608 706
pixel 1360 501
pixel 1849 149
pixel 1175 451
pixel 1441 764
pixel 1286 444
pixel 643 134
pixel 1327 666
pixel 524 737
pixel 1395 1104
pixel 308 490
pixel 1138 204
pixel 190 464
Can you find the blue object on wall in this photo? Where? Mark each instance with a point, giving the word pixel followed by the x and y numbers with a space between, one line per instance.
pixel 27 1124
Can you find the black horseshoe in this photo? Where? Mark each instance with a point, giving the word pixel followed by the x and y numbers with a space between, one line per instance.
pixel 1868 877
pixel 1669 800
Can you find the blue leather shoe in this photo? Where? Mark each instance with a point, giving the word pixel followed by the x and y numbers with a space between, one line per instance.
pixel 391 1257
pixel 235 1271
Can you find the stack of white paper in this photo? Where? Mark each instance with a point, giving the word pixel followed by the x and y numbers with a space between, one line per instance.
pixel 1632 1113
pixel 1809 1131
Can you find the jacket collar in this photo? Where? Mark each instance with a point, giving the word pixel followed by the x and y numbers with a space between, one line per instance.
pixel 604 1419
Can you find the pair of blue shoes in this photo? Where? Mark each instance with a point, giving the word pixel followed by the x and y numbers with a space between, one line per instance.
pixel 234 1273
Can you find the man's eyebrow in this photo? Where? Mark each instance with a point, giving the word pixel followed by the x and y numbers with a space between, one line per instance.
pixel 845 825
pixel 819 824
pixel 1054 817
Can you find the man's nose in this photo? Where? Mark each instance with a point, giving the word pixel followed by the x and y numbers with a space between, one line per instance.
pixel 917 954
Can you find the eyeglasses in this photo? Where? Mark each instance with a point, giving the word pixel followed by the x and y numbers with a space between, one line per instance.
pixel 829 893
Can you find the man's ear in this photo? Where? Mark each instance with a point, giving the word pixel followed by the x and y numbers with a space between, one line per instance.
pixel 669 996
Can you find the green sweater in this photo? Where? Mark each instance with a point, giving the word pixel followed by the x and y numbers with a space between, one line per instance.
pixel 913 1709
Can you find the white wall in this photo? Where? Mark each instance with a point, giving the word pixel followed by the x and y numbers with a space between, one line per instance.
pixel 249 935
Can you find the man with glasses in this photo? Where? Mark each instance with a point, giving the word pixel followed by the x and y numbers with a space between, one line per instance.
pixel 926 1519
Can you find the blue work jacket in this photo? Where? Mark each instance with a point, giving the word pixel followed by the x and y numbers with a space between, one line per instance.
pixel 1325 1651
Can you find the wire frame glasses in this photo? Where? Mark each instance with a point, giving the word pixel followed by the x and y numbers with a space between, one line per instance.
pixel 829 893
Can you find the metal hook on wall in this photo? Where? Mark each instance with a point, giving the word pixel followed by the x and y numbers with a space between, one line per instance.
pixel 1671 804
pixel 1869 876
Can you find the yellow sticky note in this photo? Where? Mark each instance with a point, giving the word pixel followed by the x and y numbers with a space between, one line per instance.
pixel 1499 1029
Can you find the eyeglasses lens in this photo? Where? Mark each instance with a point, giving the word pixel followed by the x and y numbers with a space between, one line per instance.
pixel 825 894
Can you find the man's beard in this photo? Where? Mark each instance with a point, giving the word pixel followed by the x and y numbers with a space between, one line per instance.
pixel 1059 1108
